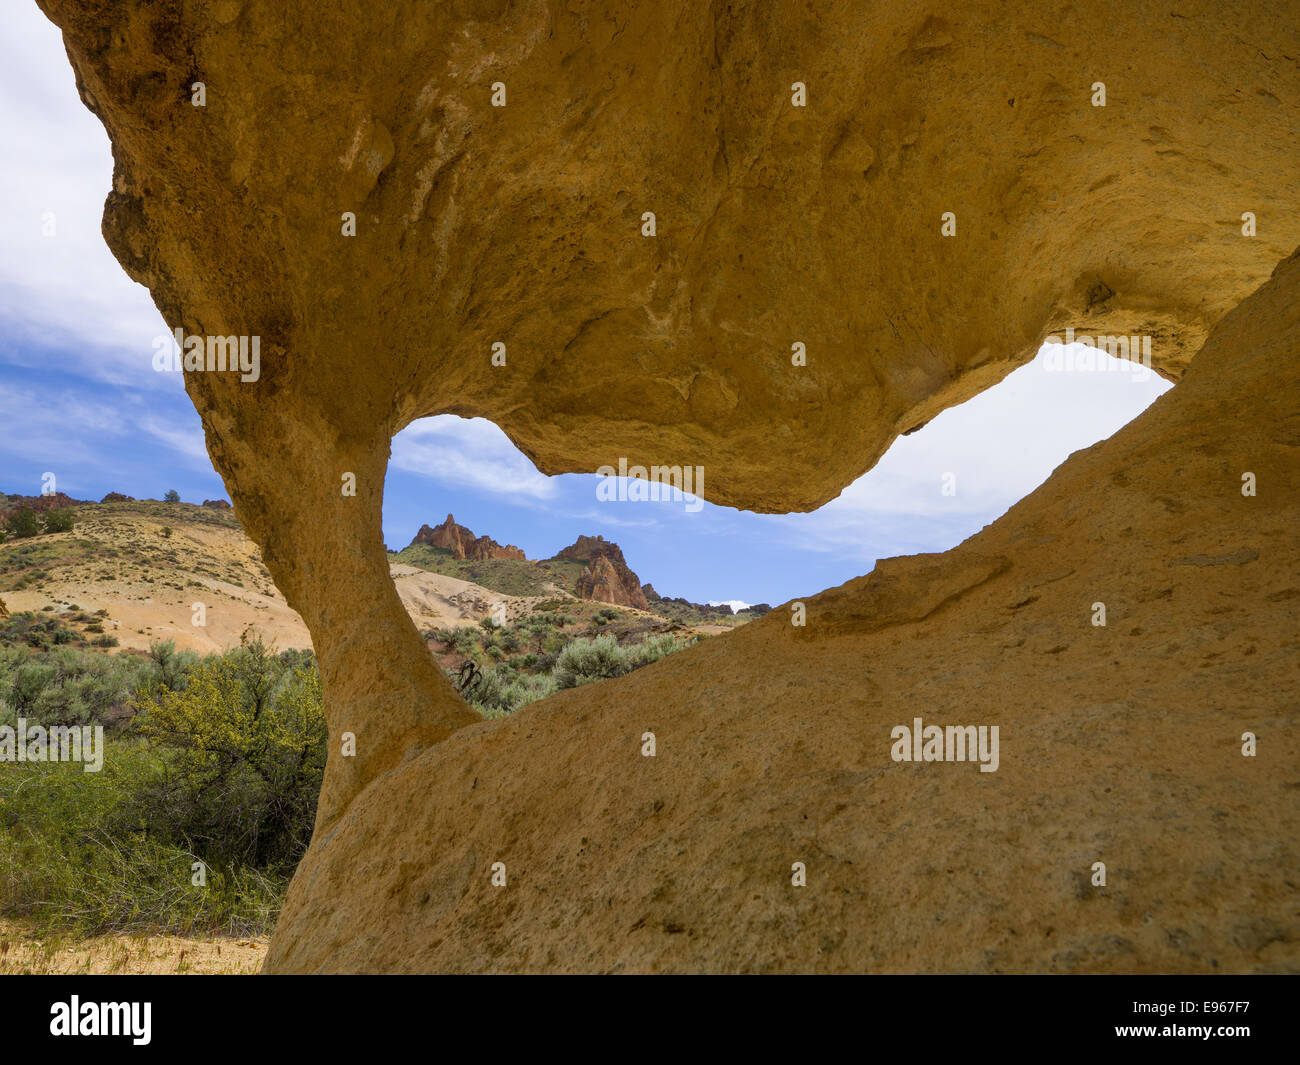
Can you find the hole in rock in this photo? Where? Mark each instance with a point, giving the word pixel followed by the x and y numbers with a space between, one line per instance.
pixel 475 531
pixel 78 400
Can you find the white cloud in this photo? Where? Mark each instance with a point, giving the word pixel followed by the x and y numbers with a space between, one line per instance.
pixel 608 516
pixel 63 291
pixel 999 446
pixel 80 436
pixel 472 453
pixel 1002 444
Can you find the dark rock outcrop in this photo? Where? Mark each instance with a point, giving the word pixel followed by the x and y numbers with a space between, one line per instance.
pixel 462 542
pixel 607 578
pixel 39 504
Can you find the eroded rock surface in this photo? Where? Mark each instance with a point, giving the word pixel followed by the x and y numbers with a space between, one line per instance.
pixel 1119 744
pixel 775 227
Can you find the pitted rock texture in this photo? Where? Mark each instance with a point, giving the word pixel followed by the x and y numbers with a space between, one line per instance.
pixel 775 224
pixel 1119 744
pixel 519 229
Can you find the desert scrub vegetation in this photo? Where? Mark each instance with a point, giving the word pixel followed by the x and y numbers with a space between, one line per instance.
pixel 498 669
pixel 585 661
pixel 211 764
pixel 215 763
pixel 23 523
pixel 70 687
pixel 36 630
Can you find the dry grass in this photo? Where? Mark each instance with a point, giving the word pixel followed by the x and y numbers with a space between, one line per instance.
pixel 23 952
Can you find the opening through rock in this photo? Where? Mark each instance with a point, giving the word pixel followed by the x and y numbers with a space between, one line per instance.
pixel 503 568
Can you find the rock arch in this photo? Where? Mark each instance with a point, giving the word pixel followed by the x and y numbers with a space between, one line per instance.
pixel 775 224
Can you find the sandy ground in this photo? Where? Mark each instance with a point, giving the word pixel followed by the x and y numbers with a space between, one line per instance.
pixel 23 953
pixel 220 568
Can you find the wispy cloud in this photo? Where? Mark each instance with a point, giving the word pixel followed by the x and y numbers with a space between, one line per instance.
pixel 999 446
pixel 470 453
pixel 60 287
pixel 89 437
pixel 610 515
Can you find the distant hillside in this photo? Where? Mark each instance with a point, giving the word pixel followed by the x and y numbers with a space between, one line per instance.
pixel 129 573
pixel 590 568
pixel 688 613
pixel 141 566
pixel 508 576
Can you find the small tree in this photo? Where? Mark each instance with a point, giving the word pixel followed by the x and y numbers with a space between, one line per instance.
pixel 246 742
pixel 58 521
pixel 22 523
pixel 172 496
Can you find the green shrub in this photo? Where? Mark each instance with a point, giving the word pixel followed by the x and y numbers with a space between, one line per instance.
pixel 74 853
pixel 225 770
pixel 464 641
pixel 499 691
pixel 26 681
pixel 22 523
pixel 654 648
pixel 69 687
pixel 584 661
pixel 245 743
pixel 57 521
pixel 173 666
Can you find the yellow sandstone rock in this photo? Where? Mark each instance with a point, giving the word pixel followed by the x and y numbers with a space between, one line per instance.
pixel 917 198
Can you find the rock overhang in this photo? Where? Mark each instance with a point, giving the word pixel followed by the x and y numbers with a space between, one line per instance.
pixel 775 225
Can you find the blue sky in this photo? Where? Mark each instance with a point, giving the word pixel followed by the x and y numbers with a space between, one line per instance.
pixel 79 398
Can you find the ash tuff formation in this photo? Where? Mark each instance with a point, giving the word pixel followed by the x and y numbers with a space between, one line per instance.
pixel 801 163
